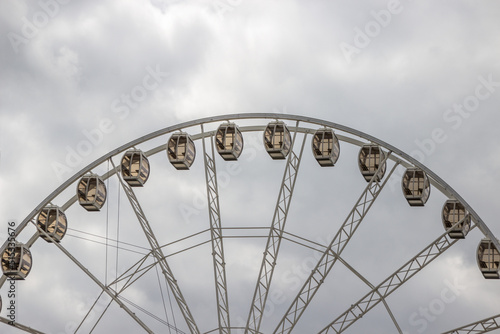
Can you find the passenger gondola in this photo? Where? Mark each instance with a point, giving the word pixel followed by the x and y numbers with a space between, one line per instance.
pixel 16 261
pixel 277 140
pixel 135 168
pixel 91 192
pixel 416 186
pixel 454 212
pixel 181 150
pixel 53 222
pixel 229 141
pixel 488 259
pixel 325 147
pixel 370 158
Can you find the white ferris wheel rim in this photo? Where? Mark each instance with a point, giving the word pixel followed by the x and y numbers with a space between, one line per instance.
pixel 349 135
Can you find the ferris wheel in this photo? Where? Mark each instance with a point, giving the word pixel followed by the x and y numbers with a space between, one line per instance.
pixel 211 226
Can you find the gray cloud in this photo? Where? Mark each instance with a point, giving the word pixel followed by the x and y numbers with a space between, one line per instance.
pixel 63 79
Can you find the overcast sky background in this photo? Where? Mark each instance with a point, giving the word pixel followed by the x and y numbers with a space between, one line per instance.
pixel 396 70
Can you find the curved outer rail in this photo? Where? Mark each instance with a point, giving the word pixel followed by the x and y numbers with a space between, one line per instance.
pixel 435 179
pixel 447 188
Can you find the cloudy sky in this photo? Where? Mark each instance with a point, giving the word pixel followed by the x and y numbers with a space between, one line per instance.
pixel 80 78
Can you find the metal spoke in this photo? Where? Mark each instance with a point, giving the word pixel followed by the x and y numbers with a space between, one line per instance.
pixel 481 326
pixel 106 289
pixel 274 238
pixel 216 234
pixel 347 265
pixel 151 315
pixel 19 326
pixel 435 179
pixel 101 316
pixel 337 245
pixel 130 278
pixel 390 284
pixel 158 254
pixel 89 311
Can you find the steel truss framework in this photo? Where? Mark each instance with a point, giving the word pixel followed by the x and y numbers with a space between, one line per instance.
pixel 390 284
pixel 274 239
pixel 482 326
pixel 276 233
pixel 337 245
pixel 216 238
pixel 158 254
pixel 107 289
